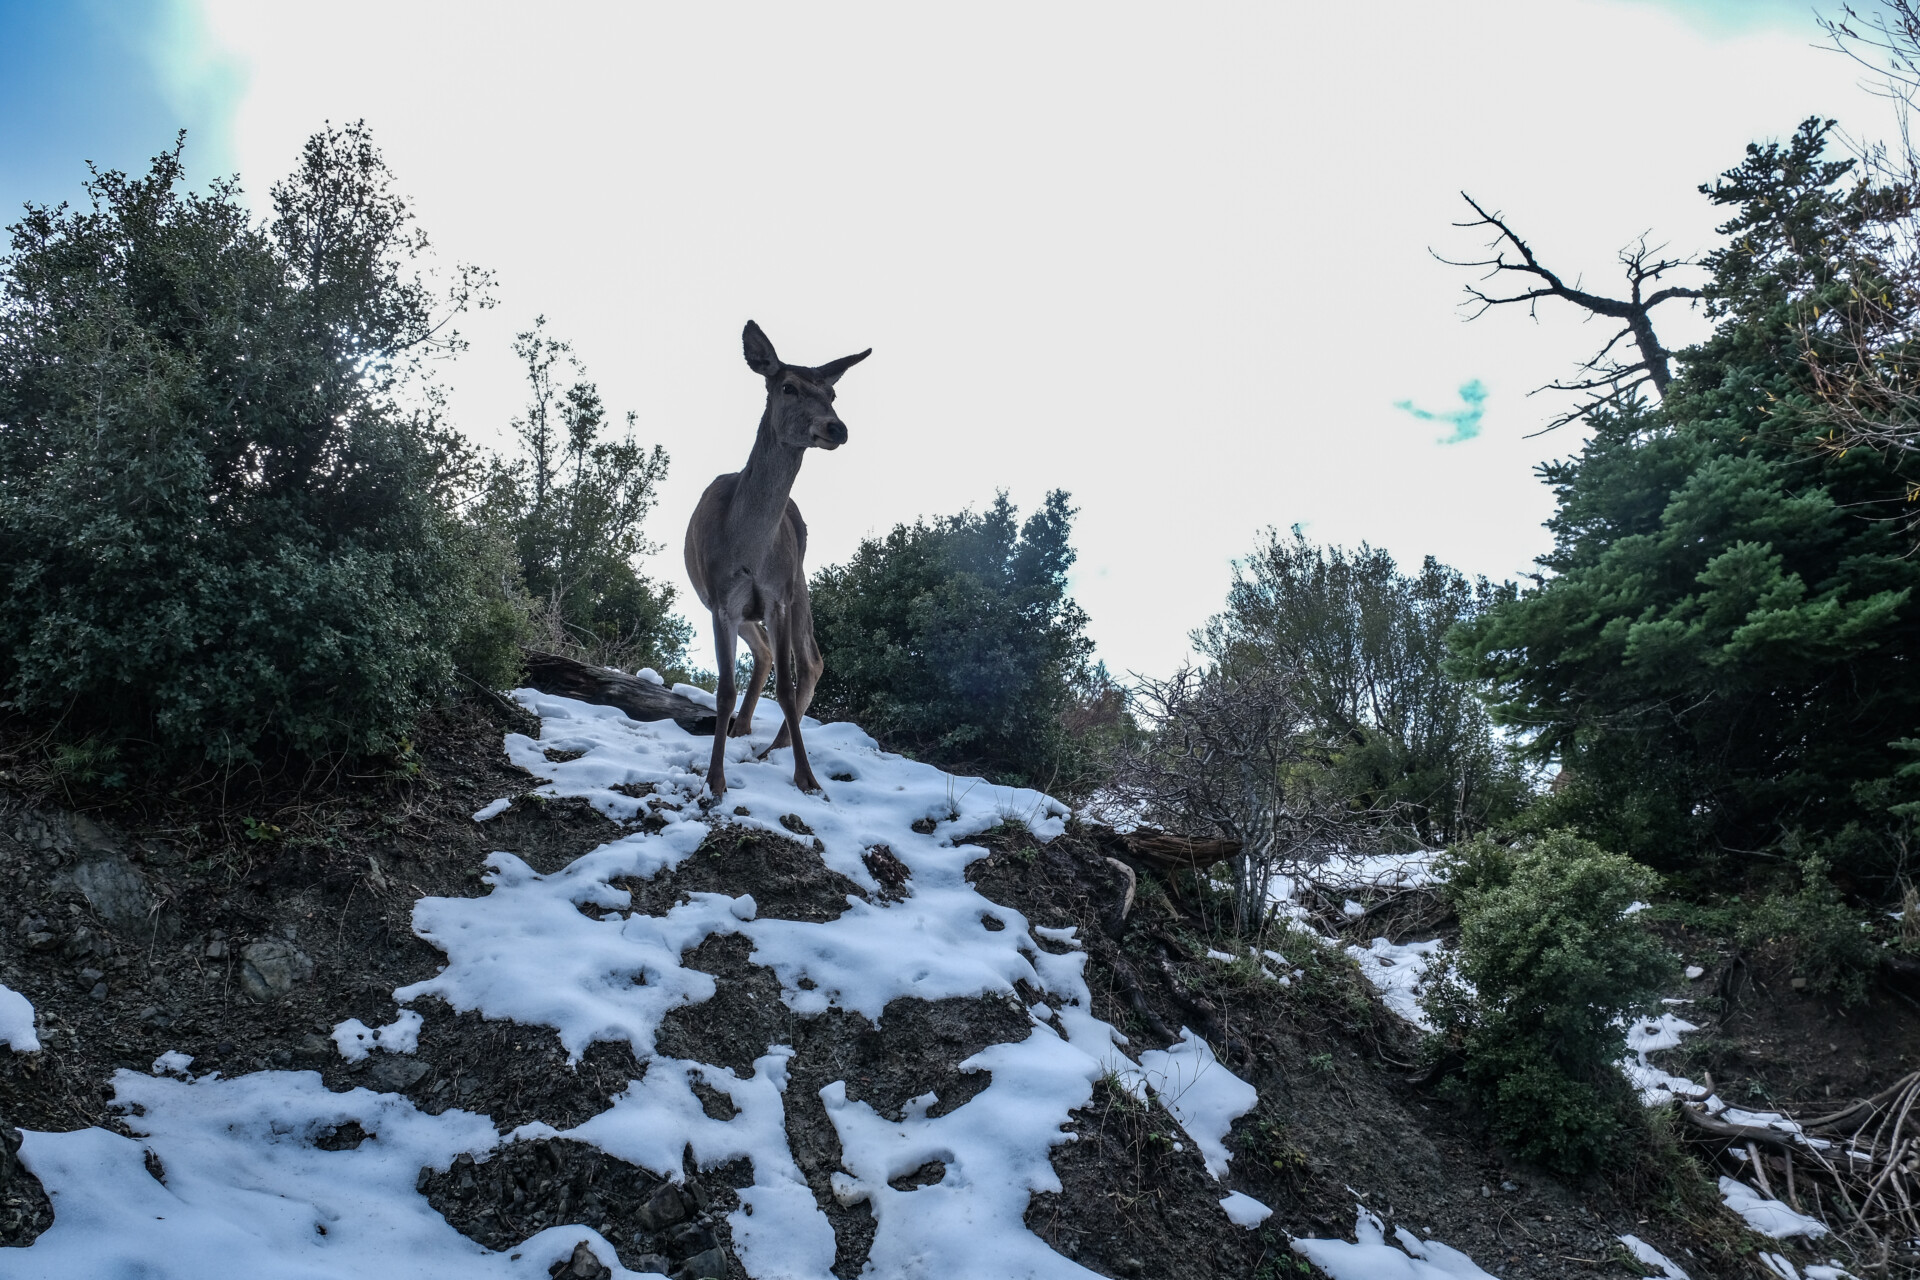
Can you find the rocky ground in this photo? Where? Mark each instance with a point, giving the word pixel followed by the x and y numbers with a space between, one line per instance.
pixel 240 922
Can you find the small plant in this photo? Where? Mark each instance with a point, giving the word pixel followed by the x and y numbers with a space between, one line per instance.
pixel 1827 942
pixel 1533 1002
pixel 264 832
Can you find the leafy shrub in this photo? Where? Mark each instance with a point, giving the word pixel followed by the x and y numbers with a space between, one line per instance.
pixel 573 506
pixel 956 640
pixel 1825 940
pixel 222 529
pixel 1533 1001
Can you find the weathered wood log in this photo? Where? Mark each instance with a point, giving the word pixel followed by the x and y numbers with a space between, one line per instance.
pixel 1164 853
pixel 640 699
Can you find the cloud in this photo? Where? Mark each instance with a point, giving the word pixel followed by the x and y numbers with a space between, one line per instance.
pixel 1465 421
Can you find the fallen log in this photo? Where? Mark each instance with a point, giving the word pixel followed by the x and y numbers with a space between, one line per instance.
pixel 1163 853
pixel 640 699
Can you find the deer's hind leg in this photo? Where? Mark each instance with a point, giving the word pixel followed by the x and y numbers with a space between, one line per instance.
pixel 786 688
pixel 807 664
pixel 755 634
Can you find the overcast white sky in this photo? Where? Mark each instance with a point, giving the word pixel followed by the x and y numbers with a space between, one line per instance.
pixel 1172 258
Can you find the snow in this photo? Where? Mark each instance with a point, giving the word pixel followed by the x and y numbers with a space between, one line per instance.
pixel 1352 910
pixel 1768 1217
pixel 1647 1255
pixel 1783 1267
pixel 355 1039
pixel 1695 973
pixel 1219 955
pixel 493 809
pixel 1202 1095
pixel 1634 907
pixel 16 1022
pixel 247 1191
pixel 172 1063
pixel 1372 1258
pixel 1649 1035
pixel 1244 1211
pixel 1396 972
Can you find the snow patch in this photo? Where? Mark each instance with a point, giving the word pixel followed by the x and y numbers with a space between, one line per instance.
pixel 493 809
pixel 1397 972
pixel 1647 1255
pixel 1244 1211
pixel 1370 1257
pixel 355 1039
pixel 1768 1217
pixel 16 1022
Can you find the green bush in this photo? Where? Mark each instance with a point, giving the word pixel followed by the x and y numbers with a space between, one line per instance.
pixel 1825 940
pixel 956 641
pixel 223 530
pixel 1533 1001
pixel 573 506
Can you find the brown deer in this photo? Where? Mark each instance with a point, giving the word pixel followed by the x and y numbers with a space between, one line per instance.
pixel 747 550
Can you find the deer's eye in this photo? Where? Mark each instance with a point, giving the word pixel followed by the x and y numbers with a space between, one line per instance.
pixel 788 390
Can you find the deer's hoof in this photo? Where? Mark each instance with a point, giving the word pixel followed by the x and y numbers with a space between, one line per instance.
pixel 740 728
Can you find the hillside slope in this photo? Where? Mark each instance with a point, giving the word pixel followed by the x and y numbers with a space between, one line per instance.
pixel 919 1026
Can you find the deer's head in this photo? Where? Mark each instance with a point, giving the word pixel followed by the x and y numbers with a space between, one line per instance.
pixel 799 399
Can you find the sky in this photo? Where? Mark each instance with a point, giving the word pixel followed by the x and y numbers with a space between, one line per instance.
pixel 1177 260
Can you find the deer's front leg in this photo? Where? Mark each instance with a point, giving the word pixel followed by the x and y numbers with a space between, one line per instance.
pixel 724 631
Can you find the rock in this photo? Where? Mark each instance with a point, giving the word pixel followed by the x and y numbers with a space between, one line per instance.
pixel 663 1208
pixel 708 1264
pixel 583 1266
pixel 652 1262
pixel 91 976
pixel 99 991
pixel 79 943
pixel 396 1074
pixel 691 1239
pixel 313 1049
pixel 116 892
pixel 216 950
pixel 42 941
pixel 271 967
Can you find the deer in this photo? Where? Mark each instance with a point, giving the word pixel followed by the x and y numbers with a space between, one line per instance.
pixel 746 554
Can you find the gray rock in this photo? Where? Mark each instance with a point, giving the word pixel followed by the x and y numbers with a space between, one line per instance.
pixel 91 976
pixel 272 967
pixel 690 1239
pixel 217 949
pixel 99 991
pixel 313 1049
pixel 584 1266
pixel 708 1264
pixel 79 943
pixel 392 1073
pixel 42 941
pixel 662 1209
pixel 116 892
pixel 652 1262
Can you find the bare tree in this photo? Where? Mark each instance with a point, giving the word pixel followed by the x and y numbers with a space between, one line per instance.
pixel 1234 755
pixel 1864 353
pixel 1611 377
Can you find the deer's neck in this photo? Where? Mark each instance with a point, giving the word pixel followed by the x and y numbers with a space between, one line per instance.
pixel 760 498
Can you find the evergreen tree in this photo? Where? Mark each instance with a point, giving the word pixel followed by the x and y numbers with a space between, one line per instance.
pixel 1724 651
pixel 955 640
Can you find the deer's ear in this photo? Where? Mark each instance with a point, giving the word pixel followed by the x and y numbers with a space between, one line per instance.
pixel 760 356
pixel 830 372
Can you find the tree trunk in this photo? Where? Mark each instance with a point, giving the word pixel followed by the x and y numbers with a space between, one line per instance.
pixel 640 699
